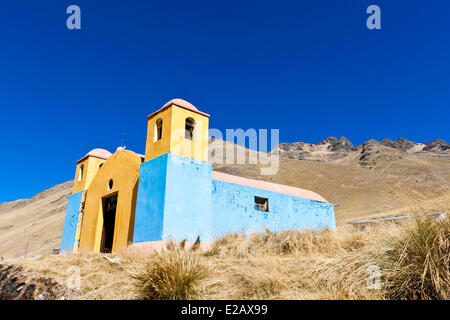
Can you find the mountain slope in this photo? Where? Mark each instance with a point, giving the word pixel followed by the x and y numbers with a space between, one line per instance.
pixel 34 225
pixel 377 178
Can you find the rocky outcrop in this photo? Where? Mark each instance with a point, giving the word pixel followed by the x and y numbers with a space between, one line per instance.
pixel 333 149
pixel 15 285
pixel 401 144
pixel 437 145
pixel 372 153
pixel 327 150
pixel 341 144
pixel 11 288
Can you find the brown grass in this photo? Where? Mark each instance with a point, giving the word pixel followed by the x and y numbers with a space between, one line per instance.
pixel 172 274
pixel 413 263
pixel 417 261
pixel 279 265
pixel 413 260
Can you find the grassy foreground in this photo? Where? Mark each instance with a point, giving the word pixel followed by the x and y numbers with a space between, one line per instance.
pixel 388 261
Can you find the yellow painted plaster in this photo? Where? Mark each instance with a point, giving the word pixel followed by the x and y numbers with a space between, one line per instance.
pixel 123 168
pixel 156 148
pixel 173 136
pixel 91 165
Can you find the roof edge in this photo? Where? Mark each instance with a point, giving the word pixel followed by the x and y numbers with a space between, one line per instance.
pixel 182 107
pixel 97 153
pixel 269 186
pixel 89 155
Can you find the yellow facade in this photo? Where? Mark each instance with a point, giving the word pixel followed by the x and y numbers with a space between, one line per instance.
pixel 86 172
pixel 173 134
pixel 123 169
pixel 95 171
pixel 156 148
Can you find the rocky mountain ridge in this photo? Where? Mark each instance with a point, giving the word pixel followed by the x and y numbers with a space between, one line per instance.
pixel 332 148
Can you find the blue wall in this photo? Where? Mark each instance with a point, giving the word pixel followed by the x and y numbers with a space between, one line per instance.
pixel 233 211
pixel 174 200
pixel 71 222
pixel 188 200
pixel 177 199
pixel 148 221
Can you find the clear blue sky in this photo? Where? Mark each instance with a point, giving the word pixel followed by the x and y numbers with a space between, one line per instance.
pixel 310 68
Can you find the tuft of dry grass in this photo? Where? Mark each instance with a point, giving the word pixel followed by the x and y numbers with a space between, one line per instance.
pixel 257 278
pixel 410 261
pixel 171 274
pixel 417 261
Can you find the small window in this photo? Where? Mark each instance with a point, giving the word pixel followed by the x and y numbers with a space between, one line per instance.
pixel 190 126
pixel 101 164
pixel 262 204
pixel 158 130
pixel 110 184
pixel 80 172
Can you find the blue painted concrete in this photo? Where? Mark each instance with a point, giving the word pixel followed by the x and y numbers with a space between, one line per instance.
pixel 187 210
pixel 174 200
pixel 148 221
pixel 233 211
pixel 177 199
pixel 71 222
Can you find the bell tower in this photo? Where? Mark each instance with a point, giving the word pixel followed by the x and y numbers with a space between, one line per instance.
pixel 175 181
pixel 179 128
pixel 87 168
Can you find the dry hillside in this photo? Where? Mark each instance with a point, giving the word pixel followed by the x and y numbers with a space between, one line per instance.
pixel 34 225
pixel 374 179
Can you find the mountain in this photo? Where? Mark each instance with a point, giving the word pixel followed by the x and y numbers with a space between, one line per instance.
pixel 374 179
pixel 332 148
pixel 329 149
pixel 437 148
pixel 33 225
